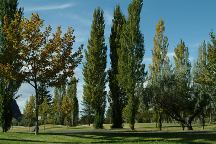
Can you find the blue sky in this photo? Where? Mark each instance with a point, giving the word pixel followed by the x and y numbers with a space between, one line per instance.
pixel 190 20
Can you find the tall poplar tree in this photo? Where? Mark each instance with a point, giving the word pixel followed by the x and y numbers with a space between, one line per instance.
pixel 66 109
pixel 94 69
pixel 8 57
pixel 182 69
pixel 206 92
pixel 182 77
pixel 72 94
pixel 209 77
pixel 59 93
pixel 29 111
pixel 159 62
pixel 130 66
pixel 118 99
pixel 44 110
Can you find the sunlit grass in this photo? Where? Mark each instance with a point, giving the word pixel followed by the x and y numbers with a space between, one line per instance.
pixel 144 133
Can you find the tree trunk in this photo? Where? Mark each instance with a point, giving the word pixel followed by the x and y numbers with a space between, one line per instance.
pixel 160 121
pixel 131 126
pixel 44 124
pixel 210 117
pixel 183 126
pixel 98 120
pixel 116 119
pixel 72 119
pixel 89 120
pixel 36 112
pixel 189 126
pixel 203 121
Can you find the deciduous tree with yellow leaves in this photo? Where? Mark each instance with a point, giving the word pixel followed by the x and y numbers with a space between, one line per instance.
pixel 45 58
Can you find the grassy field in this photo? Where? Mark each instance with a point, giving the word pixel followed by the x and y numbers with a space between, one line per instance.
pixel 144 133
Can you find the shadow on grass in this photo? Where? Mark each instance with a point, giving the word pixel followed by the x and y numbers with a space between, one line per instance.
pixel 203 137
pixel 8 140
pixel 106 136
pixel 20 140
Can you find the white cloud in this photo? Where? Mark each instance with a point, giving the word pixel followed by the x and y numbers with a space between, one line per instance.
pixel 49 7
pixel 25 91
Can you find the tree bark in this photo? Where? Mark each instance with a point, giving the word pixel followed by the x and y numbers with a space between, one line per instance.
pixel 210 117
pixel 116 119
pixel 183 126
pixel 160 121
pixel 36 111
pixel 189 125
pixel 131 126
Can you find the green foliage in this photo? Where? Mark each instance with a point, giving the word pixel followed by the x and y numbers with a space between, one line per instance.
pixel 182 75
pixel 108 117
pixel 131 53
pixel 205 92
pixel 160 70
pixel 30 52
pixel 66 109
pixel 94 70
pixel 87 113
pixel 72 94
pixel 44 110
pixel 9 63
pixel 59 93
pixel 118 99
pixel 176 93
pixel 29 111
pixel 49 60
pixel 9 8
pixel 45 60
pixel 190 97
pixel 208 77
pixel 159 53
pixel 44 94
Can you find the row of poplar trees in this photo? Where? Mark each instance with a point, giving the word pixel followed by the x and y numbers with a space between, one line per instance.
pixel 31 53
pixel 176 90
pixel 127 69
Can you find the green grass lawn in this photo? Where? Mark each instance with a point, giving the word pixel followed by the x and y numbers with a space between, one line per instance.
pixel 144 133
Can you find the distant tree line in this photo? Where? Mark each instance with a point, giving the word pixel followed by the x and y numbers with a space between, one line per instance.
pixel 178 91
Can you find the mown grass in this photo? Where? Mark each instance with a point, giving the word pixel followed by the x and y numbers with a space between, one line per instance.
pixel 144 133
